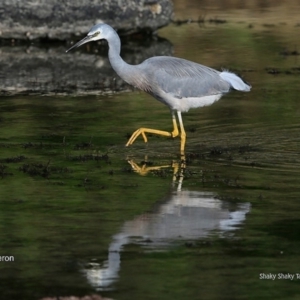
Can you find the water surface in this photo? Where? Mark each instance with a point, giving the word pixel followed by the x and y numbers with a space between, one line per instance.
pixel 82 214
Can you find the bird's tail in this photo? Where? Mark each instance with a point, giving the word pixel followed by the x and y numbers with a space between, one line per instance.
pixel 236 82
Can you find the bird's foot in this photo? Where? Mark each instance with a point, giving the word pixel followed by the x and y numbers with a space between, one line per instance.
pixel 143 131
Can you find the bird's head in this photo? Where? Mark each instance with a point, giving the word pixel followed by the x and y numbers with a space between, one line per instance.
pixel 98 32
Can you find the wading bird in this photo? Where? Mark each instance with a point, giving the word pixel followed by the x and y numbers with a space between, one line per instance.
pixel 178 83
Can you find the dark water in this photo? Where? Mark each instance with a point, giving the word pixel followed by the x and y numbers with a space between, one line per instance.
pixel 81 214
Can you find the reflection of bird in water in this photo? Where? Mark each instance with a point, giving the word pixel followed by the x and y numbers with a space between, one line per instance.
pixel 184 215
pixel 176 82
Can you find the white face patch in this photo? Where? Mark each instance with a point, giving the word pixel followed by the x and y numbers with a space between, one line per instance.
pixel 94 36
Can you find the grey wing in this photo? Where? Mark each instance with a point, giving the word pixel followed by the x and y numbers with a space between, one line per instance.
pixel 183 79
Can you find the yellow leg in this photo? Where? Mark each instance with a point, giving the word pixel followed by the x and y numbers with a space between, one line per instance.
pixel 143 132
pixel 178 170
pixel 175 131
pixel 182 133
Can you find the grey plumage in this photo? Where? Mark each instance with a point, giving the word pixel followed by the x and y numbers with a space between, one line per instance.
pixel 176 82
pixel 182 78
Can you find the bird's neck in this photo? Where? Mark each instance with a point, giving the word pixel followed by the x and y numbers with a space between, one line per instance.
pixel 117 63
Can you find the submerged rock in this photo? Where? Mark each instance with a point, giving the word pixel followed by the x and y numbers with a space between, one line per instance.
pixel 42 70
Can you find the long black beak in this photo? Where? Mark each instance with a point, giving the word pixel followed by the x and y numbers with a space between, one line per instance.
pixel 87 39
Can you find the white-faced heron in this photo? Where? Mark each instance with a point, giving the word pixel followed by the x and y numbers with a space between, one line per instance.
pixel 176 82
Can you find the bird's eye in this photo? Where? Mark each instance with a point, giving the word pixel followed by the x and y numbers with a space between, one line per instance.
pixel 96 33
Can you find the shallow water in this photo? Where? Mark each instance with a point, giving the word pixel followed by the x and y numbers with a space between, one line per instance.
pixel 81 214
